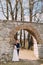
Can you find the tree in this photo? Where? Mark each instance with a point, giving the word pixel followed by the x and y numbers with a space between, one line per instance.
pixel 21 20
pixel 24 38
pixel 31 6
pixel 16 10
pixel 10 11
pixel 7 10
pixel 6 15
pixel 42 6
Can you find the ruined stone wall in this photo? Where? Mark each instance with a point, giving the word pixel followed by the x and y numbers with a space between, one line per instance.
pixel 6 49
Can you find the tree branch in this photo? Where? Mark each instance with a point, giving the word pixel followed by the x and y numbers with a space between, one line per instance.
pixel 3 9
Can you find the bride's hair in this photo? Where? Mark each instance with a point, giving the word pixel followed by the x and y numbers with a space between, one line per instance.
pixel 14 45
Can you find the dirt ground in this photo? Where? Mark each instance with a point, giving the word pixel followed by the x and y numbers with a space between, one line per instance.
pixel 26 58
pixel 27 55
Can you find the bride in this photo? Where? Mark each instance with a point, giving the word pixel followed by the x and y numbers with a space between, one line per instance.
pixel 15 55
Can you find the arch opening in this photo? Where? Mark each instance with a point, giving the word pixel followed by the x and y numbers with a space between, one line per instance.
pixel 21 54
pixel 28 28
pixel 29 38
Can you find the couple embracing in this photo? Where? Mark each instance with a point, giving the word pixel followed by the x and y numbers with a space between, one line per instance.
pixel 16 51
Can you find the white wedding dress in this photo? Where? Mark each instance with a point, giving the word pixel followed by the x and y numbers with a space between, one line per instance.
pixel 15 55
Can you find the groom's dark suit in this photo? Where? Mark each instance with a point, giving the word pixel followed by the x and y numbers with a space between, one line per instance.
pixel 18 47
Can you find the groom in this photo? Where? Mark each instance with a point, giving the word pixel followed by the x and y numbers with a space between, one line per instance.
pixel 18 46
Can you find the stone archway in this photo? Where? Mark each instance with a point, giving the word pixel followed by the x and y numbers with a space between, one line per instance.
pixel 29 27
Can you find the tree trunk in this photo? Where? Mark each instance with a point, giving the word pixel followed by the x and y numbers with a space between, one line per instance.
pixel 30 15
pixel 12 13
pixel 16 10
pixel 24 38
pixel 7 10
pixel 42 6
pixel 21 37
pixel 28 39
pixel 21 20
pixel 31 8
